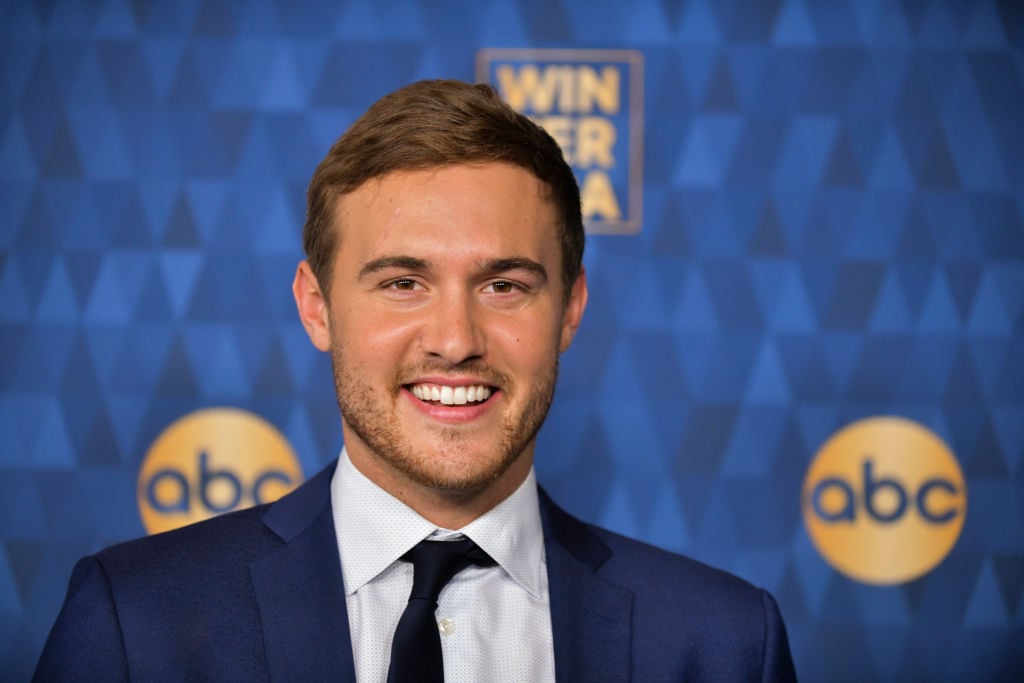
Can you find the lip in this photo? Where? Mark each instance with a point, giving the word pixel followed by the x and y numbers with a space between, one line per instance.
pixel 451 414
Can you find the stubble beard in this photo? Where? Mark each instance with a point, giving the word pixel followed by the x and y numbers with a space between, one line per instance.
pixel 370 412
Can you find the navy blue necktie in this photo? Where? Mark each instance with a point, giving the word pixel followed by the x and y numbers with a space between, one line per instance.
pixel 416 649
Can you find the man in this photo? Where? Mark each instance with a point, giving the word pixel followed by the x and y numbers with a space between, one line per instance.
pixel 444 277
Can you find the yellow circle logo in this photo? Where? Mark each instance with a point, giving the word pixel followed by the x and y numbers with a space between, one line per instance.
pixel 884 500
pixel 210 462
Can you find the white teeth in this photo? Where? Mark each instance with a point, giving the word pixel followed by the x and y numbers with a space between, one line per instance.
pixel 451 396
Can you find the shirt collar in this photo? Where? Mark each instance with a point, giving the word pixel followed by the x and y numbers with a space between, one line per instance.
pixel 374 529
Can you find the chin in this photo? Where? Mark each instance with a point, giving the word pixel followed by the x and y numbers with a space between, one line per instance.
pixel 460 477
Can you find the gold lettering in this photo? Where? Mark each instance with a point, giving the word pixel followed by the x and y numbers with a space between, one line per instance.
pixel 603 89
pixel 530 88
pixel 598 197
pixel 575 89
pixel 566 88
pixel 595 137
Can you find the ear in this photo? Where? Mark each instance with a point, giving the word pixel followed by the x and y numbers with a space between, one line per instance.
pixel 312 305
pixel 573 311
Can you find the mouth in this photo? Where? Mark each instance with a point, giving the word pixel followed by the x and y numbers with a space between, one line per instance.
pixel 447 395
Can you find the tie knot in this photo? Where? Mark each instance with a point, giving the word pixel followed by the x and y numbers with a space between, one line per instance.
pixel 436 562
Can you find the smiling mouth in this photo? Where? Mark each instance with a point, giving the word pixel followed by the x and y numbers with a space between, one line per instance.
pixel 451 396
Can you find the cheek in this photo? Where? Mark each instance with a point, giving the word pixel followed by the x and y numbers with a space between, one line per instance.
pixel 389 335
pixel 527 346
pixel 374 330
pixel 383 349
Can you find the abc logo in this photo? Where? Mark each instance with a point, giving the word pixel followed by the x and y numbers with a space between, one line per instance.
pixel 212 461
pixel 884 500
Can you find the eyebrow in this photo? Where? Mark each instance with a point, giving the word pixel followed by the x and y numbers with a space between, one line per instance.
pixel 388 262
pixel 516 263
pixel 494 267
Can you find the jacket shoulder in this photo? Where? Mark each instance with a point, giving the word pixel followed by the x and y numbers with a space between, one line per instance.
pixel 173 604
pixel 224 542
pixel 642 565
pixel 689 621
pixel 235 537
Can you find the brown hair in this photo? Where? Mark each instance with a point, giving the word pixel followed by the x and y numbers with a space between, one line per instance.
pixel 438 123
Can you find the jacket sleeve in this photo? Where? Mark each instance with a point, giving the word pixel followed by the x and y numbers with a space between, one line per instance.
pixel 85 643
pixel 777 664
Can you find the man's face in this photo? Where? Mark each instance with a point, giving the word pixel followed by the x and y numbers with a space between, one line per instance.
pixel 446 317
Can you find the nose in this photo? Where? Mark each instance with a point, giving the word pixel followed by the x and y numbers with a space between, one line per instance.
pixel 454 329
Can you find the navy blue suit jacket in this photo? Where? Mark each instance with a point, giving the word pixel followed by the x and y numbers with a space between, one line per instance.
pixel 258 595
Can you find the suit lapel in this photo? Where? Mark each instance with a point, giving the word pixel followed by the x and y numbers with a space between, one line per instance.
pixel 299 589
pixel 591 619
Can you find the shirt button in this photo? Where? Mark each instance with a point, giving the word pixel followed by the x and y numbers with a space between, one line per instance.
pixel 446 626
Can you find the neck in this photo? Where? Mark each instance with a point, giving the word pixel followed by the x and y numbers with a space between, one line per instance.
pixel 447 508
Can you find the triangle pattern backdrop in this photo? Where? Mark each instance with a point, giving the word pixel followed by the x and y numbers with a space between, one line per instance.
pixel 833 229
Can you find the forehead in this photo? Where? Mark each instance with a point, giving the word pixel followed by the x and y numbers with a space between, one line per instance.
pixel 486 209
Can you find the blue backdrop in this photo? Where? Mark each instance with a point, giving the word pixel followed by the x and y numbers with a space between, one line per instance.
pixel 833 227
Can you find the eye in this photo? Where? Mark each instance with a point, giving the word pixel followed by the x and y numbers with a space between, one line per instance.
pixel 502 287
pixel 402 285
